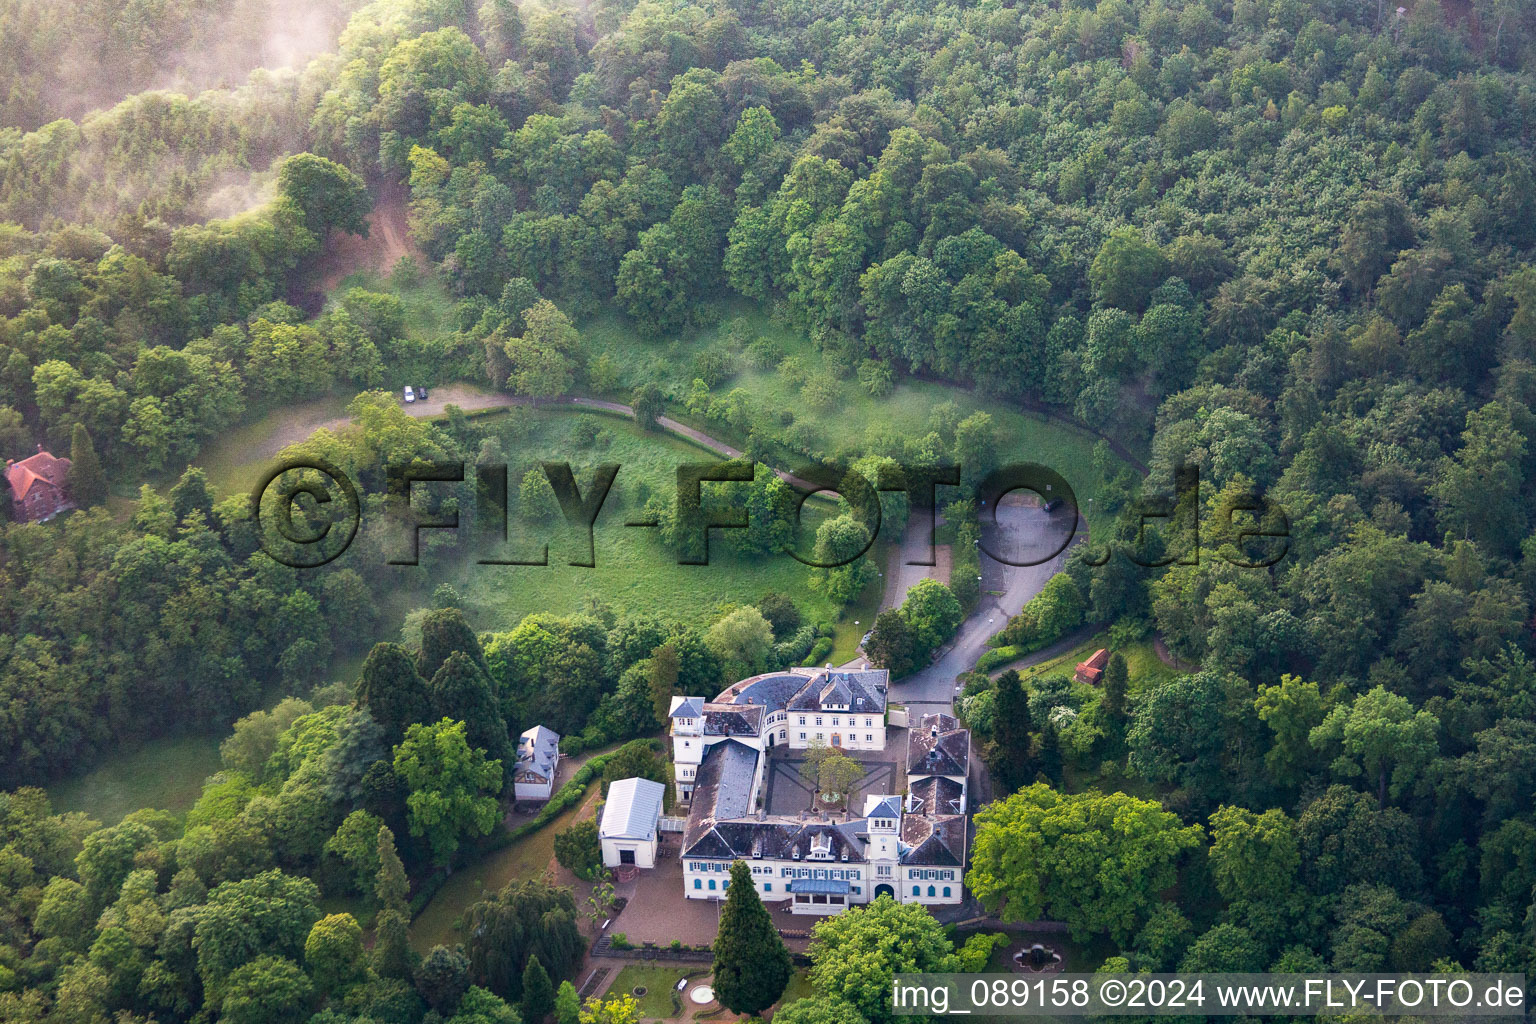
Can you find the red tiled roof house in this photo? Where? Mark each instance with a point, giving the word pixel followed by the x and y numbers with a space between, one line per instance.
pixel 38 486
pixel 1092 670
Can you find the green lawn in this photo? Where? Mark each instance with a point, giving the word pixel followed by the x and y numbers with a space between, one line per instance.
pixel 660 983
pixel 799 987
pixel 166 774
pixel 856 422
pixel 1145 670
pixel 441 920
pixel 633 571
pixel 236 460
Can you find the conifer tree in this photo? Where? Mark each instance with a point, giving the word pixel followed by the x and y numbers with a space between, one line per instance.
pixel 392 691
pixel 538 992
pixel 1011 734
pixel 87 483
pixel 751 963
pixel 1116 678
pixel 392 886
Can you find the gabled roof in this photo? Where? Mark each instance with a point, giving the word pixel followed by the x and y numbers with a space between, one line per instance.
pixel 538 749
pixel 733 720
pixel 938 746
pixel 1092 670
pixel 777 838
pixel 938 840
pixel 722 789
pixel 808 689
pixel 633 807
pixel 41 468
pixel 862 692
pixel 935 795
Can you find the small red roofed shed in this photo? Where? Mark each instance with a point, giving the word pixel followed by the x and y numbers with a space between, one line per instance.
pixel 1092 670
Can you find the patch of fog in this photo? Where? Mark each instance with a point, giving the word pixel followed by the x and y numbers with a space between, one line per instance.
pixel 211 49
pixel 234 192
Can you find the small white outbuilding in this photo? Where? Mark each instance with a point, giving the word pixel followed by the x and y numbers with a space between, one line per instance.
pixel 630 827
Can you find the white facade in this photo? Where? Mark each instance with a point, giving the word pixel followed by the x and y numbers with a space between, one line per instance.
pixel 538 759
pixel 795 709
pixel 836 729
pixel 831 867
pixel 630 828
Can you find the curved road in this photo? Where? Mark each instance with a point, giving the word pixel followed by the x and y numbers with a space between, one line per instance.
pixel 1022 532
pixel 473 399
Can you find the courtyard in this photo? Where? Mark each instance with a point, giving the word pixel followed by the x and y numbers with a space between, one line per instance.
pixel 787 792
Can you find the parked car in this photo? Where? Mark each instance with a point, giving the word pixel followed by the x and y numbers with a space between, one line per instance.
pixel 410 395
pixel 421 393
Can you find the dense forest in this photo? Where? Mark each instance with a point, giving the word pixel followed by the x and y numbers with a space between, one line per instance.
pixel 1288 244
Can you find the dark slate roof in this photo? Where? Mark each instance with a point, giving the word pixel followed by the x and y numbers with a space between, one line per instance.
pixel 772 691
pixel 691 707
pixel 938 746
pixel 937 840
pixel 732 720
pixel 888 807
pixel 861 692
pixel 721 791
pixel 772 837
pixel 935 795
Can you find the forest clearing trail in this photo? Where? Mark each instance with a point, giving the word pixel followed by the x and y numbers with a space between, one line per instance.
pixel 389 238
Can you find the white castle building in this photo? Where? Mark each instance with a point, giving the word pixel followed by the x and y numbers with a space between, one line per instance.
pixel 910 847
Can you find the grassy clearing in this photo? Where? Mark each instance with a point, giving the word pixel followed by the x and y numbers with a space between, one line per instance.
pixel 633 571
pixel 441 921
pixel 235 461
pixel 660 983
pixel 1145 670
pixel 167 775
pixel 856 421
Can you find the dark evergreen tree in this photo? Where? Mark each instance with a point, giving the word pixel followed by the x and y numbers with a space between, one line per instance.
pixel 538 992
pixel 444 631
pixel 1115 681
pixel 442 978
pixel 462 692
pixel 648 405
pixel 87 483
pixel 392 690
pixel 751 962
pixel 527 918
pixel 1013 764
pixel 192 494
pixel 392 956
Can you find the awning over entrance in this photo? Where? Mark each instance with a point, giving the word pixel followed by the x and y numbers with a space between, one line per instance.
pixel 818 885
